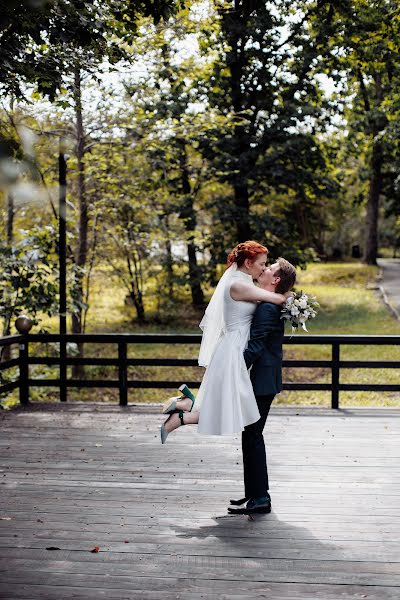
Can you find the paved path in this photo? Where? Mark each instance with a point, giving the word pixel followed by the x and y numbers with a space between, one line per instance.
pixel 92 506
pixel 391 282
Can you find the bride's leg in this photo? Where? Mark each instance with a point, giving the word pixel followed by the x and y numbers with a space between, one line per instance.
pixel 189 418
pixel 184 403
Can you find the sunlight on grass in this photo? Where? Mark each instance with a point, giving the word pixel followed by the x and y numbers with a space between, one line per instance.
pixel 349 305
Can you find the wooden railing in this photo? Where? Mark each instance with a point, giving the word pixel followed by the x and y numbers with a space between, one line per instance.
pixel 123 383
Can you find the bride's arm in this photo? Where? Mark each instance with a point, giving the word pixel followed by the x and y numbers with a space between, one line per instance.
pixel 252 293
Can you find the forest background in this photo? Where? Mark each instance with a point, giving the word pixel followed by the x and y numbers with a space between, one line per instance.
pixel 191 126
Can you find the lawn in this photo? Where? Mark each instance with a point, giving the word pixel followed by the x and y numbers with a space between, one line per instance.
pixel 350 304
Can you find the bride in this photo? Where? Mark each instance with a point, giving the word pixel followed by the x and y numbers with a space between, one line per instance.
pixel 226 395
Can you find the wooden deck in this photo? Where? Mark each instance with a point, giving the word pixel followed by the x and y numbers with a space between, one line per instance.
pixel 76 477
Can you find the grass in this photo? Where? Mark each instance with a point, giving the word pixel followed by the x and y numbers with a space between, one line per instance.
pixel 349 305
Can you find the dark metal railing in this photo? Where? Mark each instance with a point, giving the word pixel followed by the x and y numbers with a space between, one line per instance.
pixel 123 383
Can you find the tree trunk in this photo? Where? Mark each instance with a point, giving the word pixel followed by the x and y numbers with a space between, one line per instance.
pixel 137 301
pixel 371 225
pixel 10 219
pixel 81 258
pixel 242 210
pixel 234 27
pixel 169 263
pixel 375 186
pixel 5 353
pixel 134 264
pixel 189 215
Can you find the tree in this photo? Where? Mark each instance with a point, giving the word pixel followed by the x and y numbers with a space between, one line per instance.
pixel 166 101
pixel 267 85
pixel 47 44
pixel 29 269
pixel 361 49
pixel 32 32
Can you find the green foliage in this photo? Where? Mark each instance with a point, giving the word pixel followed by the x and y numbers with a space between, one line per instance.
pixel 363 57
pixel 346 307
pixel 270 154
pixel 226 132
pixel 40 38
pixel 28 277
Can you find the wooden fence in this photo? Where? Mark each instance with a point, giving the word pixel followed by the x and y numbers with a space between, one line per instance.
pixel 26 358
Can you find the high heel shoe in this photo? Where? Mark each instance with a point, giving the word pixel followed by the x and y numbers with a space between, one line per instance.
pixel 163 432
pixel 186 393
pixel 171 407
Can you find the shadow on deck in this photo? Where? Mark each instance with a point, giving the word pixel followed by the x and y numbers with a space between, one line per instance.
pixel 75 478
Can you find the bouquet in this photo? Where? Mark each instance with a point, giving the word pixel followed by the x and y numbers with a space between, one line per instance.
pixel 298 308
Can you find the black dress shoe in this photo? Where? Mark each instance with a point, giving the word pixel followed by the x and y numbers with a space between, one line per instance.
pixel 239 502
pixel 254 506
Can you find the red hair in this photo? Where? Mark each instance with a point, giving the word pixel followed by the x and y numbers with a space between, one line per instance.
pixel 249 249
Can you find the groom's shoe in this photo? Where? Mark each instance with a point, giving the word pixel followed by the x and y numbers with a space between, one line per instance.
pixel 240 501
pixel 254 506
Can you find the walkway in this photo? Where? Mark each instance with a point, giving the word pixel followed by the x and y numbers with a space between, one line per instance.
pixel 92 506
pixel 390 284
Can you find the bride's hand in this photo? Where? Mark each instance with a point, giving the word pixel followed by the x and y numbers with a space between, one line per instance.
pixel 285 296
pixel 282 298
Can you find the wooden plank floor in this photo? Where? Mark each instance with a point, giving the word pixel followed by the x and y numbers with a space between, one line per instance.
pixel 77 477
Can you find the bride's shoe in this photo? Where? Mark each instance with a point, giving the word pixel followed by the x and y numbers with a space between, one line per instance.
pixel 186 393
pixel 171 406
pixel 163 432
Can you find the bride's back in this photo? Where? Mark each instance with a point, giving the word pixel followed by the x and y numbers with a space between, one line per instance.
pixel 238 313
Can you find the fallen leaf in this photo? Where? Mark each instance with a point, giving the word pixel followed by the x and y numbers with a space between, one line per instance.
pixel 99 445
pixel 95 550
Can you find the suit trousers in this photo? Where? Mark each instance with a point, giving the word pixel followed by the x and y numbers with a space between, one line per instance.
pixel 255 469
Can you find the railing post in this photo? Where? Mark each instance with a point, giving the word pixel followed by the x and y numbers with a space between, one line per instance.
pixel 24 371
pixel 122 374
pixel 335 374
pixel 63 369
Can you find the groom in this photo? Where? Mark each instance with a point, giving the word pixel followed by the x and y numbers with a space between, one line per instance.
pixel 264 356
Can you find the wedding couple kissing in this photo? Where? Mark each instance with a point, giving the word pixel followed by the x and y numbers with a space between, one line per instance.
pixel 241 349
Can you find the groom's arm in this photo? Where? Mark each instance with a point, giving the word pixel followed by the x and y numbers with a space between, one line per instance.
pixel 264 322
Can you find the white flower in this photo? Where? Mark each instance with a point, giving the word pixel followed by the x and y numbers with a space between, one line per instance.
pixel 303 302
pixel 298 309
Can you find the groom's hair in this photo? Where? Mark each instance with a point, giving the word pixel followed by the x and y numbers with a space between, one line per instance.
pixel 287 274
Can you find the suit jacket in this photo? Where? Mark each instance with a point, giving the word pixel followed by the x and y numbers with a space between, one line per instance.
pixel 264 350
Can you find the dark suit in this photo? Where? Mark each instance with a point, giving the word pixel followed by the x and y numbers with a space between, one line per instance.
pixel 264 355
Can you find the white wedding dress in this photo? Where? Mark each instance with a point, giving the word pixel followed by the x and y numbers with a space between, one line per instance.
pixel 226 399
